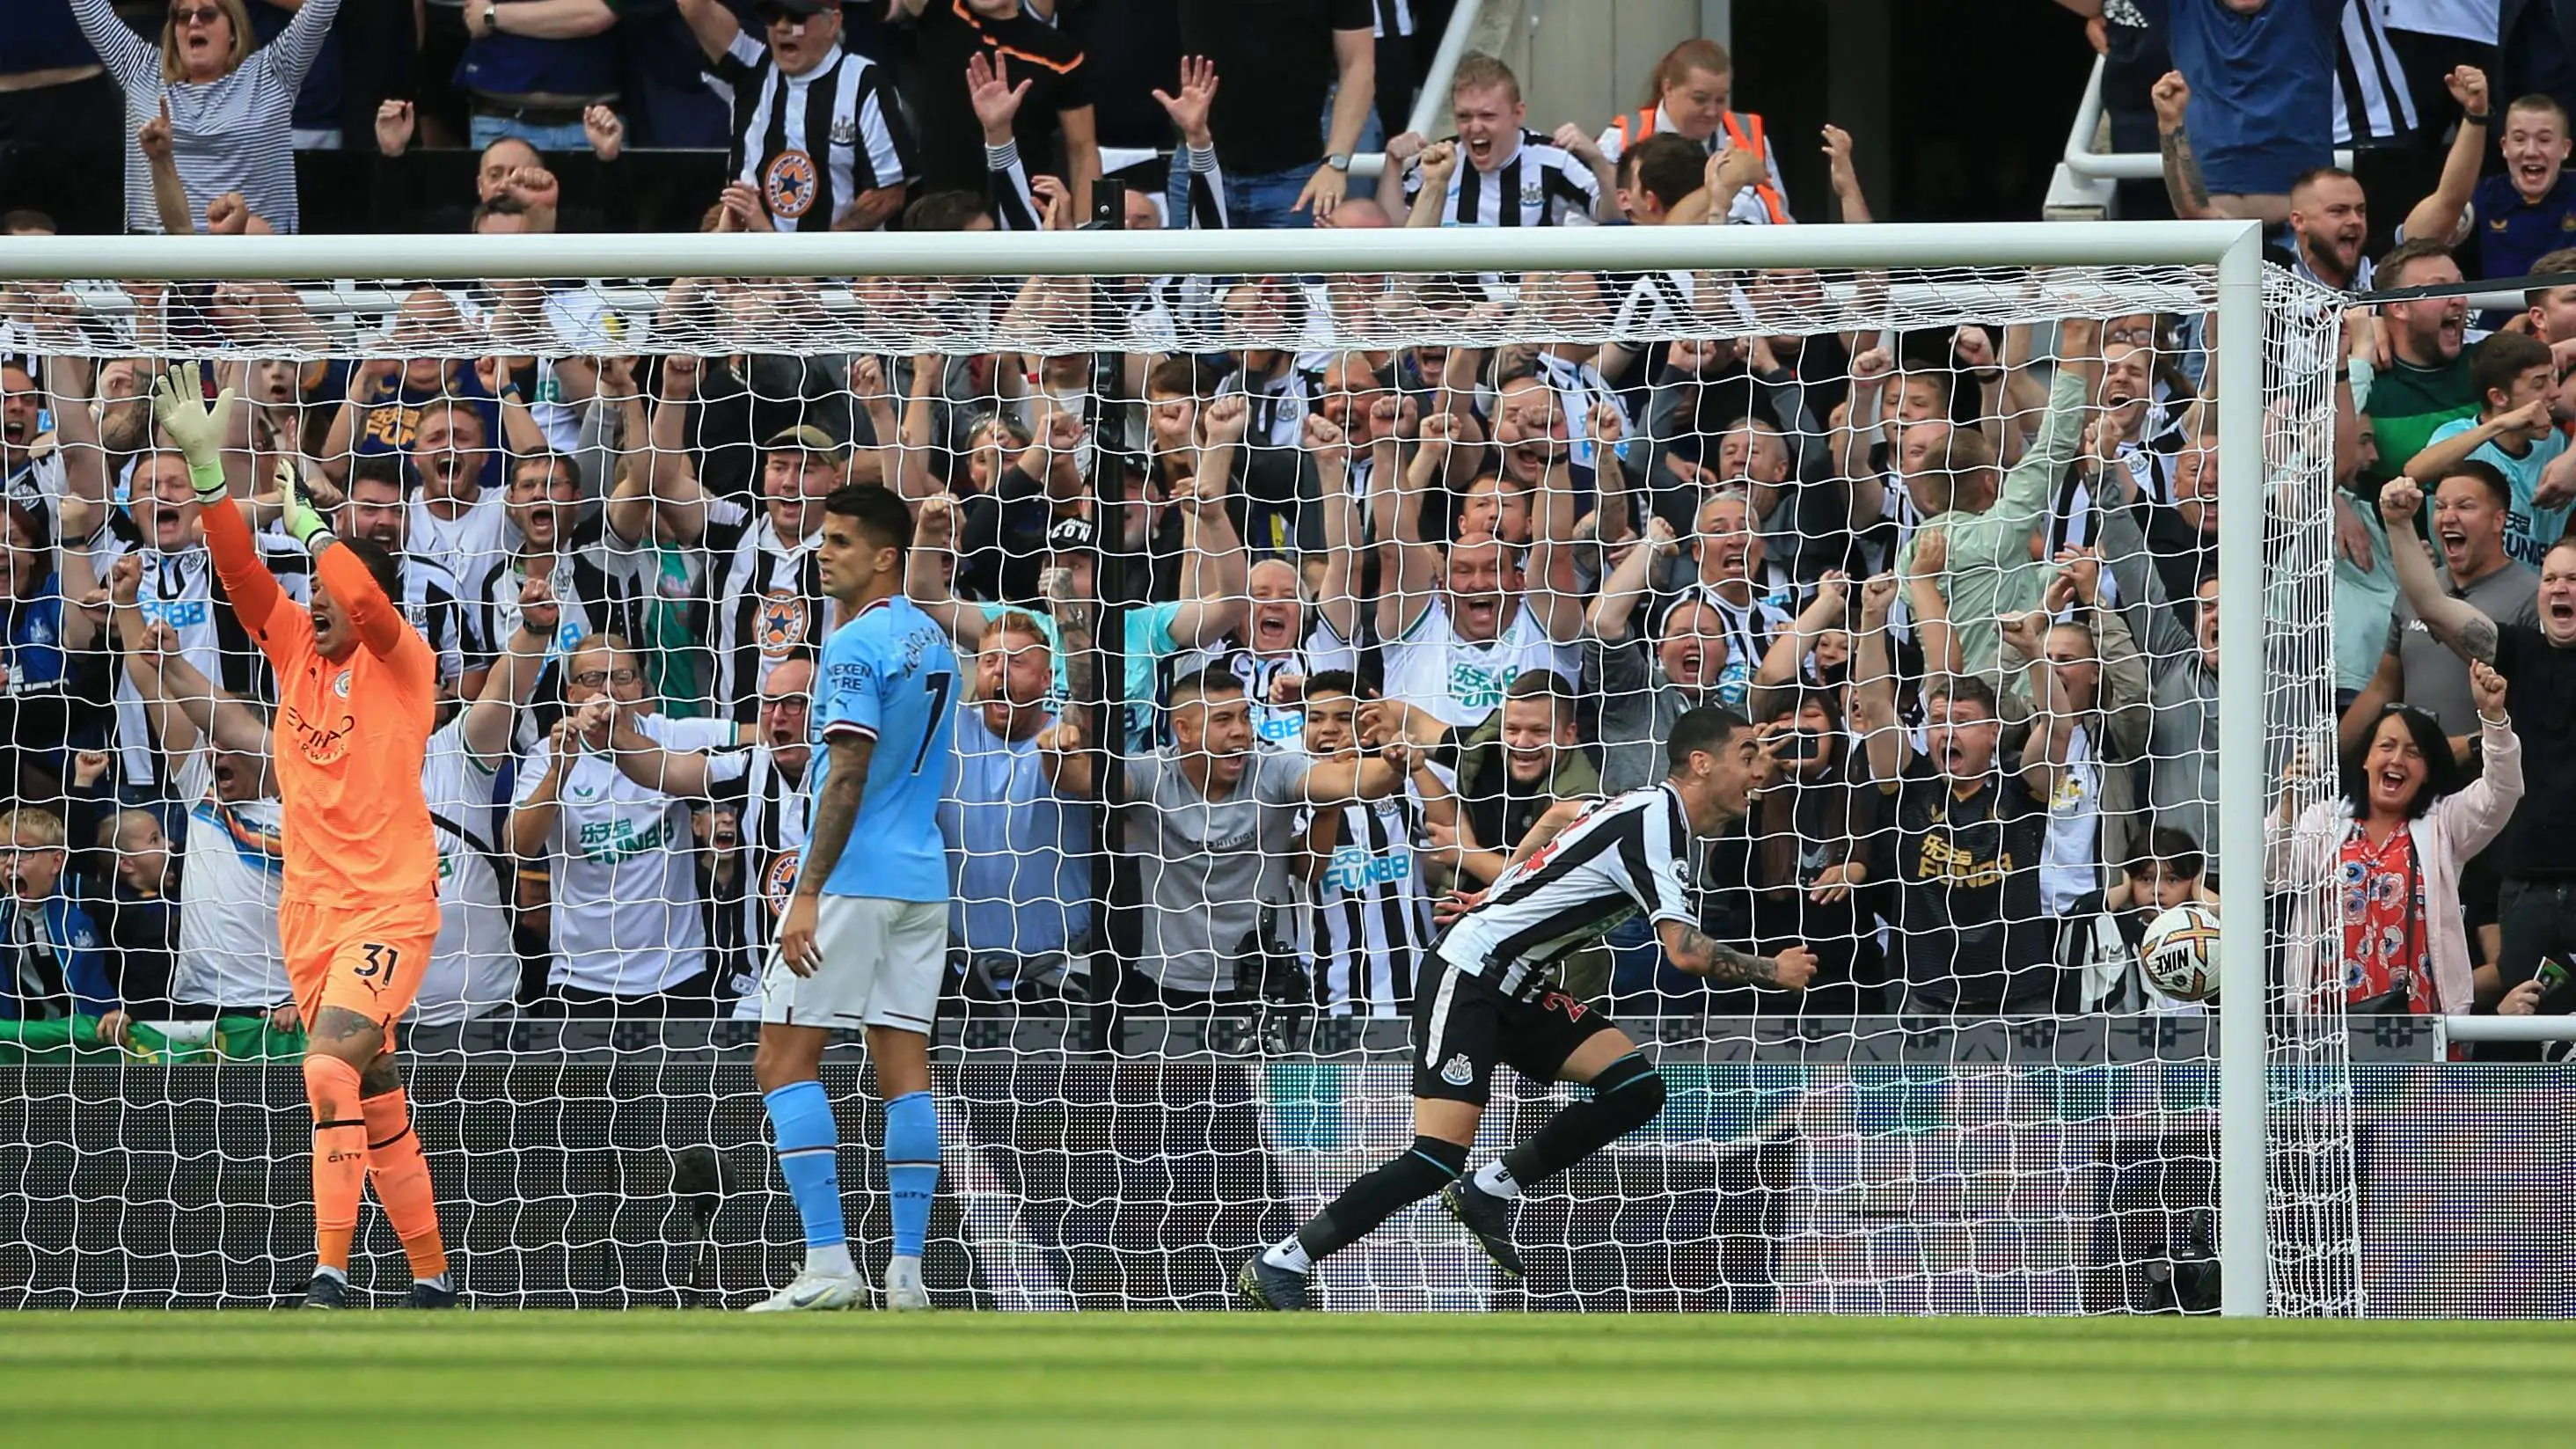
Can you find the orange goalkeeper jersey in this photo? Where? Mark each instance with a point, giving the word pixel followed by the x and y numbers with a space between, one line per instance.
pixel 349 736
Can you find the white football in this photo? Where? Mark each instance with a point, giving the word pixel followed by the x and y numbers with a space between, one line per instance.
pixel 2179 953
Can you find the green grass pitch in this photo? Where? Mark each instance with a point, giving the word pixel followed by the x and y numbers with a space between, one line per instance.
pixel 372 1380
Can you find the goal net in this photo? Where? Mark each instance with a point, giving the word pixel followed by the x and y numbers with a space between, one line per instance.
pixel 1285 605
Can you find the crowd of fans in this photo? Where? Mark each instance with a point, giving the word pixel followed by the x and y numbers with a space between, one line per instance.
pixel 1373 612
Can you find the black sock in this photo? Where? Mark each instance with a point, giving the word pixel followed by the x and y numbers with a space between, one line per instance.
pixel 1625 1097
pixel 1423 1169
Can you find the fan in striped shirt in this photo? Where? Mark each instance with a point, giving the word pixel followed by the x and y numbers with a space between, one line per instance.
pixel 1493 172
pixel 819 139
pixel 1365 918
pixel 229 108
pixel 1489 996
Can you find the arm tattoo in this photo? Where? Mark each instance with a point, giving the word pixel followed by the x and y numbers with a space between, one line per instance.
pixel 834 812
pixel 1726 963
pixel 2182 172
pixel 2477 638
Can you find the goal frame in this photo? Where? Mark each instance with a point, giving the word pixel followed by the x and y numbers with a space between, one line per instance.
pixel 2233 248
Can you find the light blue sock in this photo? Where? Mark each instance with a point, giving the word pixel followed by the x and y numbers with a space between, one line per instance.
pixel 912 1167
pixel 800 1120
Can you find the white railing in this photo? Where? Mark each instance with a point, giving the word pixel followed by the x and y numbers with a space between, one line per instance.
pixel 2448 1029
pixel 2082 188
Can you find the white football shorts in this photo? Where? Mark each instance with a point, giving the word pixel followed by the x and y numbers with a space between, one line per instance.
pixel 882 961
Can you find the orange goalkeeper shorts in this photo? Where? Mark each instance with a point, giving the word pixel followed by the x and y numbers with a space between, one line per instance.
pixel 368 958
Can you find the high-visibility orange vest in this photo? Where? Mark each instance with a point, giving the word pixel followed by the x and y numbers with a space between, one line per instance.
pixel 1743 128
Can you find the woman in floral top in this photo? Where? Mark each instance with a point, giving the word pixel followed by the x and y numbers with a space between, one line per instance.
pixel 2393 842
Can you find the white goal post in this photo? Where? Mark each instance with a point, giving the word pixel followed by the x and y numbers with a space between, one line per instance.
pixel 2230 250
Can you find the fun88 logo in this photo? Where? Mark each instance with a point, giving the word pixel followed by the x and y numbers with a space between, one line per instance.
pixel 1476 687
pixel 1354 869
pixel 177 613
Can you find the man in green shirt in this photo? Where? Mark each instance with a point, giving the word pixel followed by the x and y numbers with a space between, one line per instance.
pixel 2426 382
pixel 1951 474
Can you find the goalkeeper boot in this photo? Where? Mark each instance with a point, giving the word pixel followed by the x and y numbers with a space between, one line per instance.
pixel 1488 1218
pixel 903 1290
pixel 1265 1284
pixel 327 1290
pixel 438 1292
pixel 816 1292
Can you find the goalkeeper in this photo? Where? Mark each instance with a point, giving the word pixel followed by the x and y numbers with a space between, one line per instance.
pixel 358 909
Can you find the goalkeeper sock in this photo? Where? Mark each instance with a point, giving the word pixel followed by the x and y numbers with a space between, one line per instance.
pixel 339 1157
pixel 1496 1180
pixel 809 1143
pixel 912 1167
pixel 1626 1096
pixel 1425 1168
pixel 401 1178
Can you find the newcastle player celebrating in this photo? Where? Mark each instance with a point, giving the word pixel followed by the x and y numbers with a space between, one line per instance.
pixel 1487 996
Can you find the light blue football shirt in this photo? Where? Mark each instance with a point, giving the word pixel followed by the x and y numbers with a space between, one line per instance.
pixel 889 675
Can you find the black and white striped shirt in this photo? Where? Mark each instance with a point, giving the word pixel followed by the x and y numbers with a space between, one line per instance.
pixel 1624 856
pixel 769 603
pixel 1540 184
pixel 770 811
pixel 843 111
pixel 1394 17
pixel 433 601
pixel 235 133
pixel 1363 916
pixel 2372 103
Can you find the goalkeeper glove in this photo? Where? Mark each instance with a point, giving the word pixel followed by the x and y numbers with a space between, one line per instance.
pixel 197 426
pixel 303 521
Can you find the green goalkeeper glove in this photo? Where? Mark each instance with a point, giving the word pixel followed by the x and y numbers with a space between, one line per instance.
pixel 197 426
pixel 303 521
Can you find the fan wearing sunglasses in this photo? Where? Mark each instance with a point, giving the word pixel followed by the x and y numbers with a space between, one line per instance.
pixel 228 107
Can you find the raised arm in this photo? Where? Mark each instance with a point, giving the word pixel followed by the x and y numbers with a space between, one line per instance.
pixel 1559 610
pixel 1874 683
pixel 2183 184
pixel 1929 606
pixel 1215 595
pixel 69 381
pixel 1782 663
pixel 1338 599
pixel 82 528
pixel 1616 606
pixel 2438 217
pixel 2060 439
pixel 291 55
pixel 213 710
pixel 493 717
pixel 679 500
pixel 2459 624
pixel 1845 178
pixel 198 428
pixel 925 575
pixel 169 193
pixel 712 23
pixel 136 66
pixel 1439 162
pixel 1411 575
pixel 2043 753
pixel 1188 108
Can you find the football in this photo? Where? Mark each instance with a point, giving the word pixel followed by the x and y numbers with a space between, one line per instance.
pixel 2179 953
